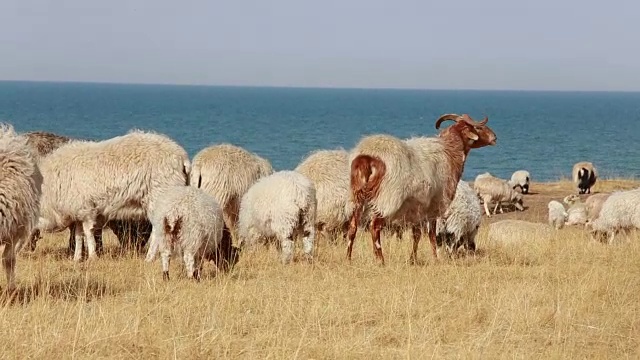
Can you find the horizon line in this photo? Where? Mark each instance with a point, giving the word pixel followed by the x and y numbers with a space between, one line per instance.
pixel 309 87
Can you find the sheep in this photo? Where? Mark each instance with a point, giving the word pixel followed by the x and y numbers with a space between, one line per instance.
pixel 226 172
pixel 20 190
pixel 42 144
pixel 620 211
pixel 462 220
pixel 557 214
pixel 511 232
pixel 490 189
pixel 577 212
pixel 280 206
pixel 521 179
pixel 88 182
pixel 594 204
pixel 189 220
pixel 584 176
pixel 413 179
pixel 328 169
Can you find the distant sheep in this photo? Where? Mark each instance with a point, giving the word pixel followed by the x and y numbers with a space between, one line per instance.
pixel 584 176
pixel 108 179
pixel 20 189
pixel 329 171
pixel 226 172
pixel 281 207
pixel 507 232
pixel 557 214
pixel 620 212
pixel 413 179
pixel 490 188
pixel 462 220
pixel 594 205
pixel 520 179
pixel 577 211
pixel 189 219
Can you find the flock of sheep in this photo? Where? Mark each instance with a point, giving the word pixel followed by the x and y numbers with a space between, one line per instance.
pixel 144 186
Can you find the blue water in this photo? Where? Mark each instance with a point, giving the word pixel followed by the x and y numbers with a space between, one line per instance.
pixel 543 132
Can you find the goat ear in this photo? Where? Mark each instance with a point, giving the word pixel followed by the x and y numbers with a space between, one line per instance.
pixel 471 135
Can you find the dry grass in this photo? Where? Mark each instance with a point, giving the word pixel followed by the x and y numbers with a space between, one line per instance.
pixel 562 298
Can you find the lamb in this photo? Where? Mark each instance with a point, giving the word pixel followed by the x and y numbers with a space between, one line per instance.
pixel 329 171
pixel 520 179
pixel 462 220
pixel 42 144
pixel 20 189
pixel 414 179
pixel 621 211
pixel 281 206
pixel 594 205
pixel 189 220
pixel 584 176
pixel 490 189
pixel 557 214
pixel 577 212
pixel 226 172
pixel 88 182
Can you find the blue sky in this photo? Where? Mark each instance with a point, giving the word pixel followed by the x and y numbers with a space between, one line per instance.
pixel 491 44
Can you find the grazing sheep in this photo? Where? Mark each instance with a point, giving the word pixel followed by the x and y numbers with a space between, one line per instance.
pixel 43 143
pixel 557 214
pixel 189 220
pixel 594 205
pixel 512 232
pixel 226 172
pixel 281 206
pixel 490 188
pixel 462 220
pixel 414 179
pixel 584 176
pixel 577 212
pixel 20 188
pixel 620 212
pixel 87 182
pixel 329 171
pixel 520 179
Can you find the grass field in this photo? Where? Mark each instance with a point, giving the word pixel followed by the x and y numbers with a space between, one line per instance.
pixel 566 297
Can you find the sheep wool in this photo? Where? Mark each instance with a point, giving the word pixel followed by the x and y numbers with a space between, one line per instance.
pixel 462 219
pixel 557 214
pixel 281 206
pixel 621 211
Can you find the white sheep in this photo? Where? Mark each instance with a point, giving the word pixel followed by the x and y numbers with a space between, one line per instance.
pixel 490 188
pixel 226 172
pixel 87 182
pixel 584 175
pixel 187 220
pixel 620 212
pixel 557 214
pixel 520 178
pixel 577 211
pixel 20 189
pixel 329 171
pixel 594 205
pixel 281 206
pixel 462 220
pixel 414 180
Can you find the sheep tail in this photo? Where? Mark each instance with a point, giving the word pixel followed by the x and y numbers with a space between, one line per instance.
pixel 367 173
pixel 172 231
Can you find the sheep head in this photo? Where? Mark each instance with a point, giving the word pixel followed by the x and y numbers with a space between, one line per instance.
pixel 476 133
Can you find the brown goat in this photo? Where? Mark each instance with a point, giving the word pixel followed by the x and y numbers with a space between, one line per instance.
pixel 414 179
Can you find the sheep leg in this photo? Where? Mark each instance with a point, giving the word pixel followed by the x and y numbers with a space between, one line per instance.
pixel 87 226
pixel 486 209
pixel 190 265
pixel 98 238
pixel 286 250
pixel 353 229
pixel 9 263
pixel 153 245
pixel 496 207
pixel 432 237
pixel 376 226
pixel 78 236
pixel 165 255
pixel 308 236
pixel 417 234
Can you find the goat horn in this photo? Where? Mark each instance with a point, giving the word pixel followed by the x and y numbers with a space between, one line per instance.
pixel 445 117
pixel 484 121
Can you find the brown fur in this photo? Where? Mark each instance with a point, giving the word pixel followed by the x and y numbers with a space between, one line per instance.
pixel 173 232
pixel 45 142
pixel 366 175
